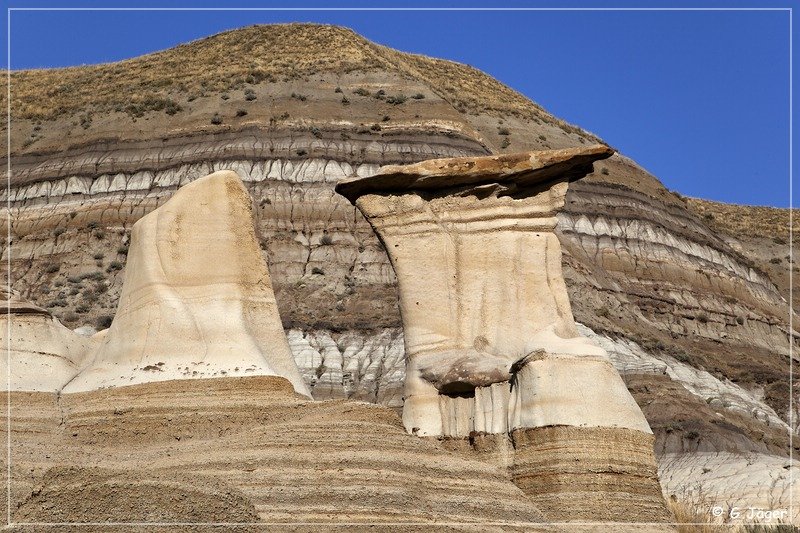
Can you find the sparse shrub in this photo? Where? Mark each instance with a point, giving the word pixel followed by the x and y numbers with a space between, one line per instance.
pixel 89 294
pixel 241 113
pixel 542 138
pixel 75 279
pixel 104 321
pixel 58 231
pixel 776 260
pixel 345 100
pixel 82 309
pixel 375 127
pixel 114 266
pixel 92 225
pixel 386 118
pixel 326 240
pixel 692 435
pixel 337 90
pixel 317 270
pixel 740 320
pixel 94 276
pixel 249 95
pixel 216 119
pixel 779 240
pixel 300 97
pixel 98 256
pixel 602 312
pixel 51 268
pixel 506 143
pixel 361 92
pixel 139 108
pixel 396 99
pixel 709 216
pixel 418 96
pixel 702 317
pixel 316 132
pixel 172 108
pixel 70 317
pixel 58 302
pixel 224 96
pixel 122 250
pixel 604 171
pixel 503 131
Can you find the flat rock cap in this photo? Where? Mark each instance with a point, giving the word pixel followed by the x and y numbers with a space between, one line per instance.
pixel 521 169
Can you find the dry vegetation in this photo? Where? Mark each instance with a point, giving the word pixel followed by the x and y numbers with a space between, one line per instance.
pixel 694 517
pixel 744 220
pixel 249 56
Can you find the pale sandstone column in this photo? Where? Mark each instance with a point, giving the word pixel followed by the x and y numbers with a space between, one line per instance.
pixel 490 339
pixel 197 300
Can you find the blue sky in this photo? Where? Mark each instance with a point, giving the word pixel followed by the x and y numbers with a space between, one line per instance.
pixel 699 98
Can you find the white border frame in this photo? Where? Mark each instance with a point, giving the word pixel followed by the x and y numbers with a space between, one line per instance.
pixel 9 10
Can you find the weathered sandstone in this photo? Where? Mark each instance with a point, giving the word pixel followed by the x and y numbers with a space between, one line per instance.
pixel 660 285
pixel 244 449
pixel 197 300
pixel 42 354
pixel 491 344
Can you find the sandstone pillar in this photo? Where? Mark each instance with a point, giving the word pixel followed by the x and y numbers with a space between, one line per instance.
pixel 197 300
pixel 490 339
pixel 38 352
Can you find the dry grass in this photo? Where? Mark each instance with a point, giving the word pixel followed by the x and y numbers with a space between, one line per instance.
pixel 692 516
pixel 738 220
pixel 247 56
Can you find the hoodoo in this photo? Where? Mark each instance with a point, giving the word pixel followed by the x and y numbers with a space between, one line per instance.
pixel 491 343
pixel 43 355
pixel 197 300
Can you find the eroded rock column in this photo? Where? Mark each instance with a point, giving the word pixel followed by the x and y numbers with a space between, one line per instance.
pixel 197 301
pixel 38 353
pixel 491 343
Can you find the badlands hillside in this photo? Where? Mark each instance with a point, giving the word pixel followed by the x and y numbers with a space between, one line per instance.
pixel 689 297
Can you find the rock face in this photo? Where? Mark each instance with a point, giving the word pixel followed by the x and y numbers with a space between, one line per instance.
pixel 490 339
pixel 746 487
pixel 197 300
pixel 643 268
pixel 243 450
pixel 43 355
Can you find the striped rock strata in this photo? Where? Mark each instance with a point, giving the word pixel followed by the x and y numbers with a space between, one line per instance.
pixel 242 450
pixel 197 299
pixel 490 340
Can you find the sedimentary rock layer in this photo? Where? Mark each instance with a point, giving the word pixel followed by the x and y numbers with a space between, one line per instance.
pixel 639 266
pixel 251 441
pixel 589 474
